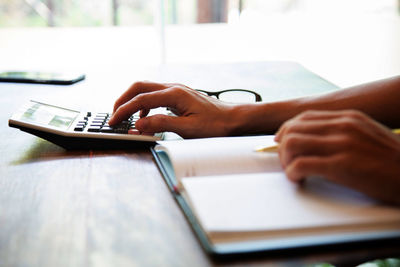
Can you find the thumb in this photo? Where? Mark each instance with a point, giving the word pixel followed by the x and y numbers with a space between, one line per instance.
pixel 160 123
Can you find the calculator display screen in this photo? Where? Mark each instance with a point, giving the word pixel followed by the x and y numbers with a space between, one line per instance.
pixel 43 114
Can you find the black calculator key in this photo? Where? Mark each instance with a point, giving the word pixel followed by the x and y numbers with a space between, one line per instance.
pixel 78 128
pixel 94 128
pixel 107 130
pixel 97 121
pixel 88 114
pixel 121 130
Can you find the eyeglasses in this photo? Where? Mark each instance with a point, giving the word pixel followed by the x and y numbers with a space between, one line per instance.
pixel 234 95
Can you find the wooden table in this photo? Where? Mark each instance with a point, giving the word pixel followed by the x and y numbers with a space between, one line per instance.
pixel 104 208
pixel 100 208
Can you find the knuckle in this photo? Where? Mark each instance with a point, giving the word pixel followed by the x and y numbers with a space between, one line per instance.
pixel 140 98
pixel 307 114
pixel 291 126
pixel 116 105
pixel 135 85
pixel 180 85
pixel 354 117
pixel 298 164
pixel 296 170
pixel 291 141
pixel 290 149
pixel 291 174
pixel 138 84
pixel 355 114
pixel 123 109
pixel 176 90
pixel 347 124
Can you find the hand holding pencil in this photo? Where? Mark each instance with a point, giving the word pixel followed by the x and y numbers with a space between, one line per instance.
pixel 346 147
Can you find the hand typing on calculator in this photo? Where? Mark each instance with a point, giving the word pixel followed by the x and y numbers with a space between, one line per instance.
pixel 198 115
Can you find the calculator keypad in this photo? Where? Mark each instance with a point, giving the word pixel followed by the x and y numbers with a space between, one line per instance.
pixel 98 122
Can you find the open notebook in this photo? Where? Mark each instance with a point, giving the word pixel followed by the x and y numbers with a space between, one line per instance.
pixel 239 200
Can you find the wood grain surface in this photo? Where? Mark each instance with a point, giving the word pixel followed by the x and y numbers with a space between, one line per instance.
pixel 103 208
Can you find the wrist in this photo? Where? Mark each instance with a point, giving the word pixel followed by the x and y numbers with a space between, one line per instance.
pixel 261 118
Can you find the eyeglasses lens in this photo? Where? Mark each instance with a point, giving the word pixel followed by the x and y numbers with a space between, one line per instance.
pixel 237 97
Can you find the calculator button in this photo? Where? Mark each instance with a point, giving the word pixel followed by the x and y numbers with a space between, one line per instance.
pixel 107 130
pixel 121 130
pixel 88 114
pixel 78 128
pixel 96 124
pixel 97 121
pixel 94 128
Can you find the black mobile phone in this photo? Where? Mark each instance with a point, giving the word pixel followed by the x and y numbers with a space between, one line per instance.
pixel 62 78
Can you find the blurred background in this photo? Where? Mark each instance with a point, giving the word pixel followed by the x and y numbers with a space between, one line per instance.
pixel 345 41
pixel 89 13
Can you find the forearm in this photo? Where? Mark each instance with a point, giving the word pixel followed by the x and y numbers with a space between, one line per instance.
pixel 379 99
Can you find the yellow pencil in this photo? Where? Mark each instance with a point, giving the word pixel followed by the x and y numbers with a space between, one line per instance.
pixel 274 148
pixel 271 149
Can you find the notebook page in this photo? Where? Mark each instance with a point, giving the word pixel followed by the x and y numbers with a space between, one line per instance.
pixel 269 202
pixel 224 155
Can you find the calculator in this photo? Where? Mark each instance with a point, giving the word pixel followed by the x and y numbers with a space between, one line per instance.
pixel 73 129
